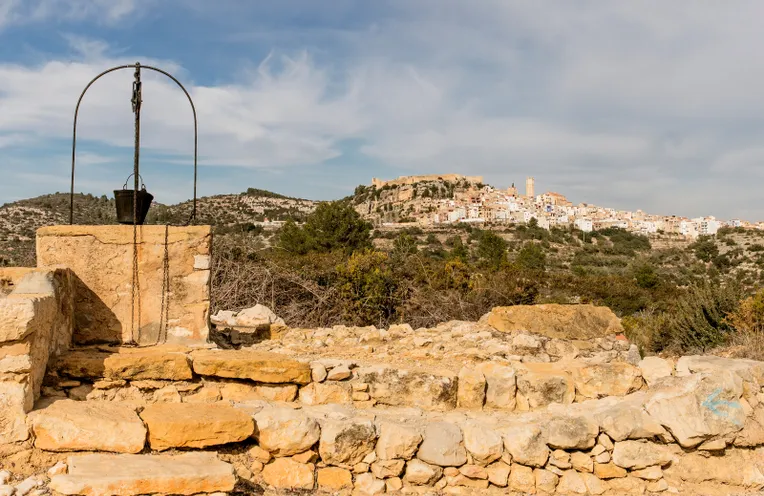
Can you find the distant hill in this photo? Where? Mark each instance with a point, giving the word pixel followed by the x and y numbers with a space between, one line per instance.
pixel 235 212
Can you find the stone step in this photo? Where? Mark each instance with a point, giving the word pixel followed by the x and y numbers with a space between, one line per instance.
pixel 128 475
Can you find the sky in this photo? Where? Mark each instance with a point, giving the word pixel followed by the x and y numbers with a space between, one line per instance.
pixel 648 105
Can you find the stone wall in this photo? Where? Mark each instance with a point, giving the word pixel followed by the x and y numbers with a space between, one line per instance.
pixel 101 258
pixel 36 322
pixel 408 180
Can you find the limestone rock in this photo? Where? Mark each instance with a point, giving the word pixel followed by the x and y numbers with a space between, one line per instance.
pixel 368 485
pixel 422 474
pixel 253 365
pixel 572 482
pixel 15 400
pixel 285 473
pixel 239 392
pixel 624 418
pixel 484 444
pixel 127 475
pixel 498 474
pixel 572 432
pixel 339 373
pixel 607 379
pixel 527 444
pixel 546 481
pixel 323 393
pixel 257 316
pixel 318 372
pixel 69 425
pixel 635 455
pixel 699 407
pixel 654 368
pixel 501 385
pixel 162 363
pixel 471 392
pixel 442 445
pixel 581 462
pixel 434 390
pixel 542 384
pixel 608 471
pixel 334 478
pixel 557 321
pixel 184 425
pixel 650 473
pixel 740 468
pixel 397 440
pixel 284 431
pixel 383 469
pixel 346 441
pixel 522 479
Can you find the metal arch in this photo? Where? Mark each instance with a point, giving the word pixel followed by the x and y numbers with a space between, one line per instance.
pixel 74 131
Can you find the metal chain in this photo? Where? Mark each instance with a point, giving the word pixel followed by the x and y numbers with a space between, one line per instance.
pixel 164 315
pixel 137 100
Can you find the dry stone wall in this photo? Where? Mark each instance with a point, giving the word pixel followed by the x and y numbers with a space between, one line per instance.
pixel 101 258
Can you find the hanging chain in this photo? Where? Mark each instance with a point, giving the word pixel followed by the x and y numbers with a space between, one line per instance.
pixel 164 316
pixel 137 100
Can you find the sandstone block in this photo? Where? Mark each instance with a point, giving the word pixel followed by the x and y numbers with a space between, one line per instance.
pixel 608 471
pixel 571 482
pixel 285 473
pixel 383 469
pixel 140 364
pixel 581 462
pixel 184 425
pixel 471 392
pixel 607 379
pixel 238 392
pixel 128 475
pixel 546 481
pixel 324 393
pixel 572 432
pixel 484 444
pixel 284 431
pixel 253 365
pixel 527 443
pixel 15 400
pixel 422 474
pixel 368 485
pixel 650 473
pixel 346 441
pixel 740 468
pixel 334 478
pixel 522 479
pixel 501 385
pixel 442 445
pixel 433 390
pixel 68 425
pixel 655 368
pixel 498 474
pixel 637 454
pixel 397 440
pixel 583 322
pixel 542 384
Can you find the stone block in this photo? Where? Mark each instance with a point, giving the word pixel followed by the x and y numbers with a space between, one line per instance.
pixel 257 366
pixel 154 363
pixel 185 425
pixel 557 321
pixel 432 390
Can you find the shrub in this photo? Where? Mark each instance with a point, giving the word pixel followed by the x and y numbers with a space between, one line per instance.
pixel 333 225
pixel 532 257
pixel 492 249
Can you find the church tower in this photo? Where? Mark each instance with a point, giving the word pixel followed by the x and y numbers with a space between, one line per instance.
pixel 529 187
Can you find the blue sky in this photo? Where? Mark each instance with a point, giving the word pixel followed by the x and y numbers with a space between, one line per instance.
pixel 653 105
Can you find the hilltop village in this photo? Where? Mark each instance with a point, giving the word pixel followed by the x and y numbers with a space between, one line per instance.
pixel 453 198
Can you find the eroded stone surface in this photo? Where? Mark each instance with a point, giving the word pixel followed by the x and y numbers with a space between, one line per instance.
pixel 284 431
pixel 253 365
pixel 137 364
pixel 557 321
pixel 184 425
pixel 425 389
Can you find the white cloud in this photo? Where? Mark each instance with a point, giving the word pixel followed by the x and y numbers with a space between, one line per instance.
pixel 100 11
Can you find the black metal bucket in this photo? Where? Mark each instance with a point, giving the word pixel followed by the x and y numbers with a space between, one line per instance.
pixel 124 201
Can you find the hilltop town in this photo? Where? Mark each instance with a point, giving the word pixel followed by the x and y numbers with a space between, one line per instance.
pixel 453 198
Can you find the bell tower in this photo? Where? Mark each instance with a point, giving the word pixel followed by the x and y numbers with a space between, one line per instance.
pixel 529 187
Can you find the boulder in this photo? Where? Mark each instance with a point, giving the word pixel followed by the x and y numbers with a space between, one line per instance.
pixel 285 473
pixel 160 363
pixel 420 473
pixel 68 425
pixel 635 455
pixel 184 425
pixel 323 393
pixel 484 444
pixel 527 443
pixel 572 432
pixel 334 478
pixel 432 390
pixel 442 445
pixel 397 440
pixel 346 441
pixel 655 368
pixel 128 475
pixel 541 384
pixel 257 366
pixel 698 407
pixel 257 316
pixel 471 391
pixel 580 322
pixel 501 385
pixel 285 431
pixel 607 379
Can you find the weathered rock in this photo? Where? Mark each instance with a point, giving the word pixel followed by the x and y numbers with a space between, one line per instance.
pixel 383 469
pixel 541 384
pixel 557 321
pixel 68 425
pixel 15 401
pixel 257 316
pixel 435 390
pixel 471 392
pixel 699 407
pixel 624 418
pixel 346 441
pixel 334 478
pixel 752 434
pixel 522 479
pixel 748 370
pixel 607 379
pixel 527 444
pixel 253 365
pixel 339 373
pixel 581 462
pixel 484 444
pixel 442 445
pixel 740 468
pixel 473 471
pixel 163 363
pixel 318 393
pixel 498 474
pixel 183 425
pixel 635 455
pixel 397 440
pixel 650 473
pixel 655 368
pixel 572 482
pixel 368 485
pixel 318 372
pixel 608 471
pixel 421 473
pixel 546 481
pixel 627 485
pixel 501 385
pixel 248 392
pixel 285 473
pixel 284 431
pixel 128 475
pixel 572 432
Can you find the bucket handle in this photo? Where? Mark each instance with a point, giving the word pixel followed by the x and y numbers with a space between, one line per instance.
pixel 143 185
